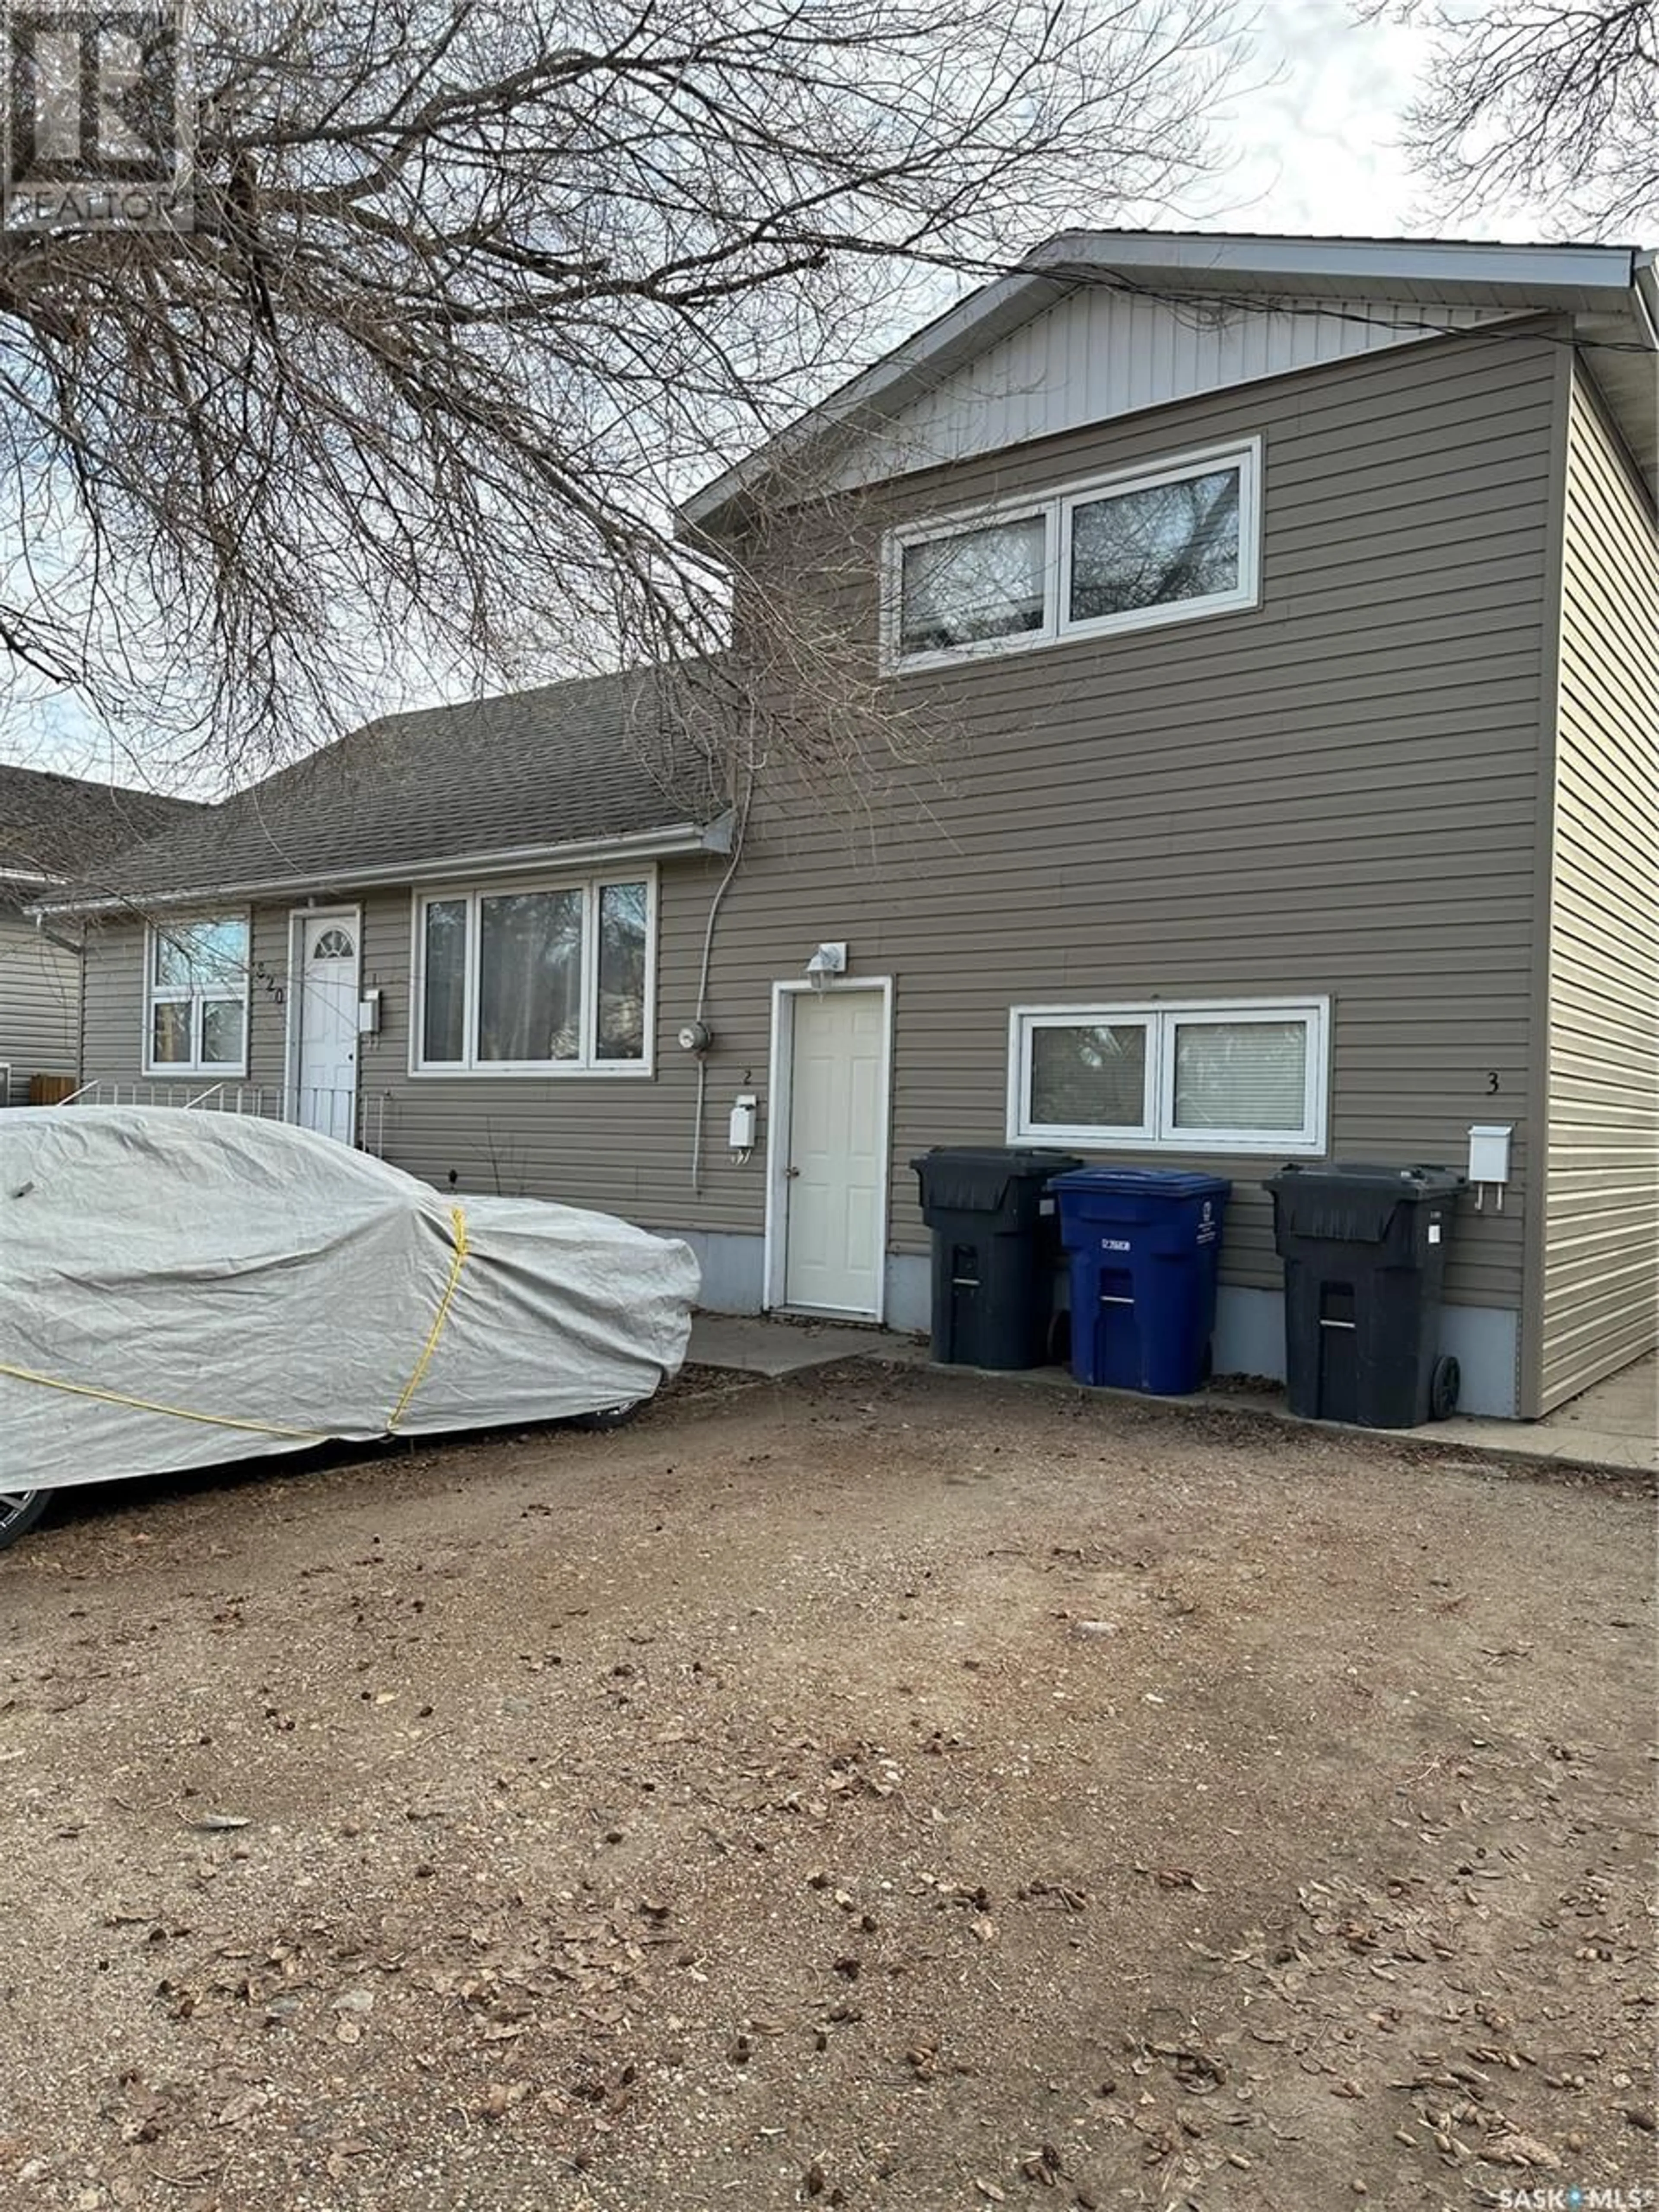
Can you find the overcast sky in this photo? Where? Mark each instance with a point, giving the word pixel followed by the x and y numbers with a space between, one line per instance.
pixel 1308 144
pixel 1316 149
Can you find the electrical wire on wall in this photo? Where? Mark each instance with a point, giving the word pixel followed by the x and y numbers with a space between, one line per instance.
pixel 739 826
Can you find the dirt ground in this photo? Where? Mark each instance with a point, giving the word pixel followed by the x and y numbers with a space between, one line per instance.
pixel 880 1790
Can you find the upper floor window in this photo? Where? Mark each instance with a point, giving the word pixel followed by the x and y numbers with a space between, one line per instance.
pixel 195 996
pixel 540 979
pixel 1210 1076
pixel 1156 545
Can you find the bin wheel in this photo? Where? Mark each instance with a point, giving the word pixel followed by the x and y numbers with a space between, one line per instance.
pixel 1443 1385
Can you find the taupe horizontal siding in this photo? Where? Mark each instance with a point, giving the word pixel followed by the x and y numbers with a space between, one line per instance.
pixel 1334 794
pixel 1601 1288
pixel 620 1142
pixel 40 1006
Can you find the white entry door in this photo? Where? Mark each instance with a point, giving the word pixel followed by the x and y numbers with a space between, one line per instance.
pixel 832 1187
pixel 326 1085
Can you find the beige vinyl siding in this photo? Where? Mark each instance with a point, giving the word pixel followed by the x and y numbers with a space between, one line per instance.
pixel 1335 794
pixel 1600 1287
pixel 39 1006
pixel 620 1142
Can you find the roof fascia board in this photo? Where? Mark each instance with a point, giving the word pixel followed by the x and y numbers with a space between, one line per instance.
pixel 682 839
pixel 1258 262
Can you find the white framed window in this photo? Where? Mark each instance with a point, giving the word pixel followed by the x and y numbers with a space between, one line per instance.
pixel 536 978
pixel 1165 542
pixel 1221 1075
pixel 196 995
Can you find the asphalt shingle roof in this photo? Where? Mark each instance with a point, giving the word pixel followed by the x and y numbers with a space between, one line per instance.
pixel 563 764
pixel 62 826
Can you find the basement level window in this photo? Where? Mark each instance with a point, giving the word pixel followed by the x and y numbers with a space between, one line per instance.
pixel 1209 1076
pixel 1165 542
pixel 536 979
pixel 196 995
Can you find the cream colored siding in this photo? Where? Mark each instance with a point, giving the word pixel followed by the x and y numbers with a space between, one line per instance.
pixel 39 1006
pixel 1101 353
pixel 1600 1289
pixel 1333 794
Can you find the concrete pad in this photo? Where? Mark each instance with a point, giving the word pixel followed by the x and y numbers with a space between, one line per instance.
pixel 1588 1442
pixel 751 1345
pixel 1615 1425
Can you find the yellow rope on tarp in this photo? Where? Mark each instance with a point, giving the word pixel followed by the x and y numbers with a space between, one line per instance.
pixel 150 1406
pixel 457 1222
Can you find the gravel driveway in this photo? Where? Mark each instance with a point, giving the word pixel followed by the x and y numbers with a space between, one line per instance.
pixel 880 1789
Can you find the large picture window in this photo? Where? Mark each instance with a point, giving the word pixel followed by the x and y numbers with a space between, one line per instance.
pixel 1212 1075
pixel 195 996
pixel 1156 545
pixel 536 979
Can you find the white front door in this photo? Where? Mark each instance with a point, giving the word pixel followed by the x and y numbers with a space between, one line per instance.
pixel 831 1189
pixel 326 1083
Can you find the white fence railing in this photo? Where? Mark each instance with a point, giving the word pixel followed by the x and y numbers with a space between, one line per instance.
pixel 347 1115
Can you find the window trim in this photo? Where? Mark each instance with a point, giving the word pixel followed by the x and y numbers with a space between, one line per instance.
pixel 1056 507
pixel 173 994
pixel 586 1067
pixel 1028 1020
pixel 1159 1134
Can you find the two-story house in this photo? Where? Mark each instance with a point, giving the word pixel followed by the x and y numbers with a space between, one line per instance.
pixel 1283 616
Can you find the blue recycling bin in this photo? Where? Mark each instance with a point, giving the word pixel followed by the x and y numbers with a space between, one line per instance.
pixel 1143 1244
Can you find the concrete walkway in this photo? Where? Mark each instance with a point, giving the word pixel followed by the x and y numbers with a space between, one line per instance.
pixel 750 1344
pixel 1615 1425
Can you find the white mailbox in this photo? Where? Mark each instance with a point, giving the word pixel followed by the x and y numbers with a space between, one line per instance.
pixel 1489 1151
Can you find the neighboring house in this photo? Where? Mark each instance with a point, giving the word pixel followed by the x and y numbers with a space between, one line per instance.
pixel 54 828
pixel 1290 610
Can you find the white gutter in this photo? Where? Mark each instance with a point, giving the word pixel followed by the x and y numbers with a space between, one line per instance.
pixel 683 838
pixel 1528 270
pixel 1644 287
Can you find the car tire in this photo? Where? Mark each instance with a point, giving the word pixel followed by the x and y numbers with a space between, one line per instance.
pixel 20 1511
pixel 607 1418
pixel 1445 1382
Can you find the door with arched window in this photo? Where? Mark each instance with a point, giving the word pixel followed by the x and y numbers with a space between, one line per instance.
pixel 325 1080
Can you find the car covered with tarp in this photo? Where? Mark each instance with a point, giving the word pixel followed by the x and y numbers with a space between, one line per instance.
pixel 179 1288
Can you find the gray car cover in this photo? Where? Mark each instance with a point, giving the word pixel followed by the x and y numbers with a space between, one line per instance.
pixel 179 1288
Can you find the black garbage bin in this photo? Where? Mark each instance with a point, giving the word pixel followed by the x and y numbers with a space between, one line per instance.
pixel 996 1247
pixel 1364 1253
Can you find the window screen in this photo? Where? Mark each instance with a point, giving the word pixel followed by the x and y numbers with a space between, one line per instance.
pixel 1090 1076
pixel 1152 547
pixel 974 585
pixel 1241 1075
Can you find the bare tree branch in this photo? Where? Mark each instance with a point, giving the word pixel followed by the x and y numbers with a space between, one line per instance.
pixel 1549 100
pixel 473 293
